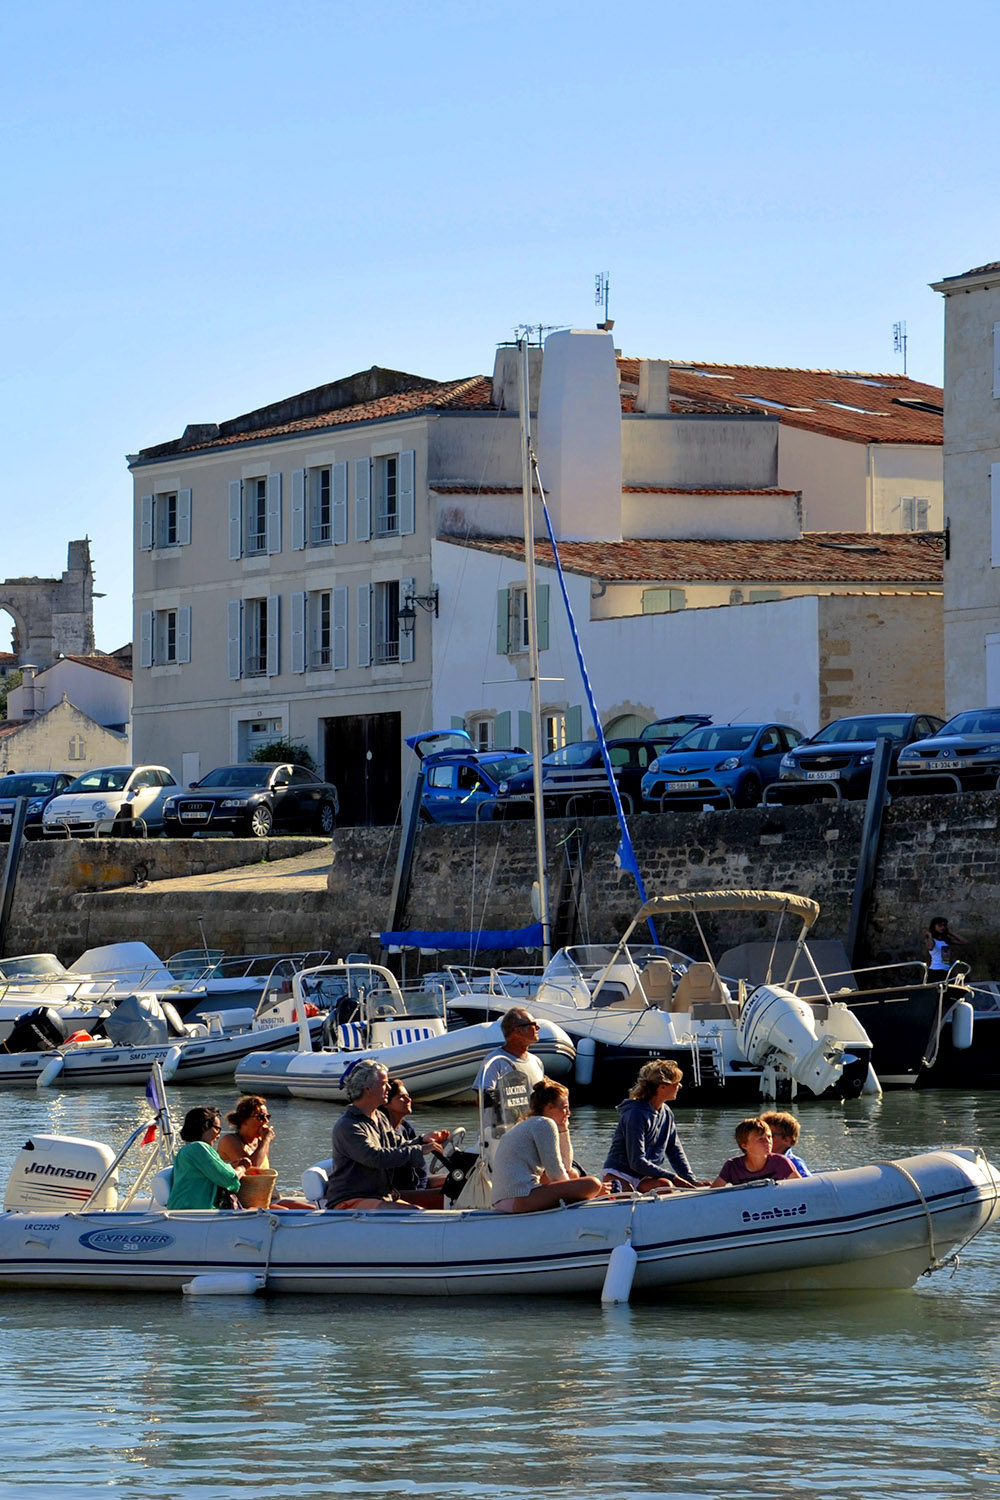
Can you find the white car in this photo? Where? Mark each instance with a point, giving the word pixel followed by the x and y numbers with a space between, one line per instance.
pixel 110 799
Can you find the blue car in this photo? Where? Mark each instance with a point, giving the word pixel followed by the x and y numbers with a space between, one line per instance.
pixel 724 765
pixel 39 787
pixel 460 780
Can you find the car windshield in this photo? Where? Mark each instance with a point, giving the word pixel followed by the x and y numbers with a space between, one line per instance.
pixel 975 721
pixel 109 779
pixel 510 766
pixel 864 730
pixel 25 785
pixel 718 737
pixel 671 729
pixel 237 776
pixel 571 755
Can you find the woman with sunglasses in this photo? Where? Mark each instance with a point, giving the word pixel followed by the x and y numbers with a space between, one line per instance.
pixel 250 1139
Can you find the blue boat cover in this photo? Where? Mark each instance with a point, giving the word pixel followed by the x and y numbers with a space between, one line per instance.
pixel 455 942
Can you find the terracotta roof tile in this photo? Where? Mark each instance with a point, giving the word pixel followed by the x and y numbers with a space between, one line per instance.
pixel 102 664
pixel 816 557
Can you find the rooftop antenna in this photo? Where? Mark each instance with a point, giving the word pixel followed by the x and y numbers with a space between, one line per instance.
pixel 899 341
pixel 602 290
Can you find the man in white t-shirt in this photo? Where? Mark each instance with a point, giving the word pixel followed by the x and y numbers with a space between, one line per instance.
pixel 519 1069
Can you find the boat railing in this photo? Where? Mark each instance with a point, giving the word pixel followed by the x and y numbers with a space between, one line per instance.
pixel 880 976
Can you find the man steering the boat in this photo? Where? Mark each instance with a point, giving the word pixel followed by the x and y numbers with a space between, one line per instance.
pixel 365 1148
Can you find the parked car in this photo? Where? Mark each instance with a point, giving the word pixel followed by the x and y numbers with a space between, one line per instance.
pixel 460 782
pixel 968 747
pixel 844 750
pixel 669 731
pixel 574 781
pixel 110 799
pixel 252 801
pixel 39 787
pixel 722 764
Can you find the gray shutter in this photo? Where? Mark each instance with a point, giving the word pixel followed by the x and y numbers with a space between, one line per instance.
pixel 339 607
pixel 503 621
pixel 298 511
pixel 501 731
pixel 405 469
pixel 365 625
pixel 235 520
pixel 542 615
pixel 273 513
pixel 339 516
pixel 146 638
pixel 524 729
pixel 362 499
pixel 184 631
pixel 273 634
pixel 407 641
pixel 234 638
pixel 146 524
pixel 574 724
pixel 183 518
pixel 298 642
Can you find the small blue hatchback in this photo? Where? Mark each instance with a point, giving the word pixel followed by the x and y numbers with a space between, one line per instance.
pixel 723 765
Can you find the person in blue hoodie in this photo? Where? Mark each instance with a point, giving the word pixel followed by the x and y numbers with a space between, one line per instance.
pixel 646 1155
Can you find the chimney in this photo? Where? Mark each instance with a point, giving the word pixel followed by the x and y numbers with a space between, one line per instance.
pixel 580 435
pixel 507 377
pixel 654 387
pixel 30 692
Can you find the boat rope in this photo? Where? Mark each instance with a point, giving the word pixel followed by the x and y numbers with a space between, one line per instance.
pixel 935 1037
pixel 935 1264
pixel 952 1258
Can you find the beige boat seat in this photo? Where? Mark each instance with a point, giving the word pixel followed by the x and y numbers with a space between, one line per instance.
pixel 701 985
pixel 656 984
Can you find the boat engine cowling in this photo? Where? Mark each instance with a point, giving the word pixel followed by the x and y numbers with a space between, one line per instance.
pixel 36 1030
pixel 58 1173
pixel 777 1028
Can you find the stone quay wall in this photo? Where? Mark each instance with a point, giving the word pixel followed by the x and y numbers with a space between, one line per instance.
pixel 939 856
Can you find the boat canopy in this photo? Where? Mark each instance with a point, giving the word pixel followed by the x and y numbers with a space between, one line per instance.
pixel 803 907
pixel 457 942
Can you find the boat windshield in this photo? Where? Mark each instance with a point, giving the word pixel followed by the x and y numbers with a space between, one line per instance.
pixel 32 966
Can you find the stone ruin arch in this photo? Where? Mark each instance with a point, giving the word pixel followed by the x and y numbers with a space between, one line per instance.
pixel 53 617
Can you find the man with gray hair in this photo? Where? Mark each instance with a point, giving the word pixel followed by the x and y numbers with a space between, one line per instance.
pixel 365 1148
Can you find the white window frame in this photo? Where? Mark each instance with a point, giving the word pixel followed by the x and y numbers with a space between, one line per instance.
pixel 261 636
pixel 481 731
pixel 386 632
pixel 165 636
pixel 914 512
pixel 255 516
pixel 165 520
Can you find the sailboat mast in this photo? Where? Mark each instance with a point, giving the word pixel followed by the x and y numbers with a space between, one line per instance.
pixel 530 597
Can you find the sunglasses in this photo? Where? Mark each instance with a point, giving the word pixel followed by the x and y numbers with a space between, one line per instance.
pixel 262 1114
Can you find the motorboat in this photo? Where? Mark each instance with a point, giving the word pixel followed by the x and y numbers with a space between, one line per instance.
pixel 626 1004
pixel 70 1223
pixel 224 980
pixel 368 1015
pixel 144 1029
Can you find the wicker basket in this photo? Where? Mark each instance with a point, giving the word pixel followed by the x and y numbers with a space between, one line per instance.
pixel 257 1187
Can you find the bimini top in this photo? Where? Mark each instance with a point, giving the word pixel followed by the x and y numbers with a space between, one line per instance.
pixel 776 901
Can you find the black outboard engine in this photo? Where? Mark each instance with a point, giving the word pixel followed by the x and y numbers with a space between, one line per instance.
pixel 36 1031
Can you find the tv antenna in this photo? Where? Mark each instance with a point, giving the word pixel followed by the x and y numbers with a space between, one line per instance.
pixel 602 290
pixel 899 341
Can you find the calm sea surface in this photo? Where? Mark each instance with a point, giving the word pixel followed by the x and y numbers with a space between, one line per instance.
pixel 866 1396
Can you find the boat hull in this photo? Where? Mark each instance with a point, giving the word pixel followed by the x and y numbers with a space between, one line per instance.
pixel 868 1228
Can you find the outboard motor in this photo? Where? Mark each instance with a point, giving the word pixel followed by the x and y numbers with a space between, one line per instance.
pixel 36 1031
pixel 58 1173
pixel 777 1028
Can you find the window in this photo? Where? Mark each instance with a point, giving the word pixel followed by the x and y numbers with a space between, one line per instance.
pixel 387 495
pixel 319 630
pixel 481 733
pixel 255 516
pixel 914 512
pixel 320 507
pixel 253 637
pixel 518 639
pixel 165 636
pixel 553 732
pixel 319 613
pixel 512 619
pixel 764 596
pixel 385 621
pixel 255 512
pixel 165 520
pixel 256 645
pixel 391 475
pixel 663 601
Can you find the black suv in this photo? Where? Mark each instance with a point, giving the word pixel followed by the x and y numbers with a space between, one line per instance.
pixel 575 783
pixel 251 801
pixel 844 750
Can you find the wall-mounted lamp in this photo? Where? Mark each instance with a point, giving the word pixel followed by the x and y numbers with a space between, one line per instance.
pixel 407 614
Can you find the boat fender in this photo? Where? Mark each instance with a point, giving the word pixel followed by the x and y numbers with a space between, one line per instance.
pixel 618 1277
pixel 962 1021
pixel 168 1067
pixel 224 1284
pixel 78 1036
pixel 50 1072
pixel 583 1071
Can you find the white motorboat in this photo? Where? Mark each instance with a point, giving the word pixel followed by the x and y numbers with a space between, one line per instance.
pixel 69 1224
pixel 143 1029
pixel 404 1030
pixel 627 1004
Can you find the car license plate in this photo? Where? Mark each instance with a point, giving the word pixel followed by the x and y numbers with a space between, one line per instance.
pixel 822 775
pixel 682 786
pixel 195 817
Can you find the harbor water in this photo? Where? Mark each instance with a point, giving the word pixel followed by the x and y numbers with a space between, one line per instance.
pixel 752 1397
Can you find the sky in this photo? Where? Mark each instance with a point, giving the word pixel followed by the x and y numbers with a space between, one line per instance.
pixel 212 206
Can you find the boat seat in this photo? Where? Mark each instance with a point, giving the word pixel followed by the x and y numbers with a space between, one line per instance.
pixel 400 1035
pixel 159 1187
pixel 351 1036
pixel 315 1179
pixel 656 984
pixel 701 985
pixel 611 994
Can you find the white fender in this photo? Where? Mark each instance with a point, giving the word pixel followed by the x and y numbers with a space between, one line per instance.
pixel 618 1277
pixel 583 1071
pixel 224 1284
pixel 168 1067
pixel 50 1072
pixel 963 1019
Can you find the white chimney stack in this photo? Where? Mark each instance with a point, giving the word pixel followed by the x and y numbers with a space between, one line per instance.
pixel 580 435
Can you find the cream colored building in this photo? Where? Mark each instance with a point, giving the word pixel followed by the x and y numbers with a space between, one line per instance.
pixel 61 738
pixel 972 487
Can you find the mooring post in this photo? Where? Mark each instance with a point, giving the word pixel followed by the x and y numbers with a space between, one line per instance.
pixel 871 836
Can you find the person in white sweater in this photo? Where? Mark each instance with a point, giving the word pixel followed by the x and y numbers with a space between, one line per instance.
pixel 533 1162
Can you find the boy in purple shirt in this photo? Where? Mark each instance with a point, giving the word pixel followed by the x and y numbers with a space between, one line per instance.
pixel 757 1160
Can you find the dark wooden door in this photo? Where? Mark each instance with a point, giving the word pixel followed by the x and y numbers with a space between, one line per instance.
pixel 361 757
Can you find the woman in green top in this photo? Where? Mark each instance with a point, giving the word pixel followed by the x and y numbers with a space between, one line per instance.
pixel 201 1178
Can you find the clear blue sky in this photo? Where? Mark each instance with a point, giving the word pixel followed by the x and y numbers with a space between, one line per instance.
pixel 210 206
